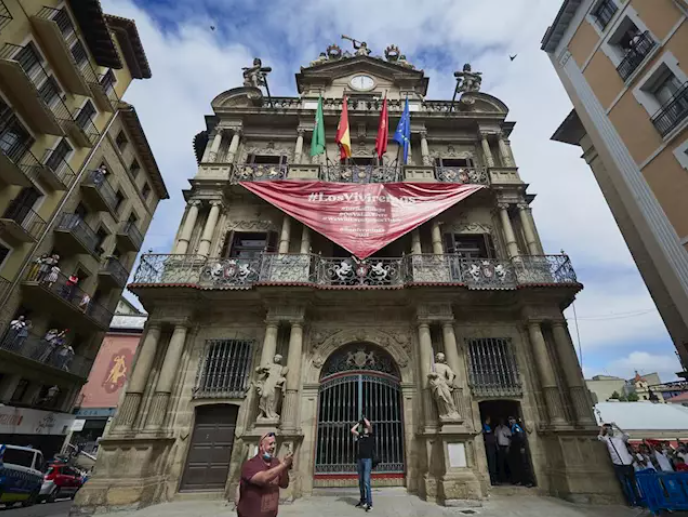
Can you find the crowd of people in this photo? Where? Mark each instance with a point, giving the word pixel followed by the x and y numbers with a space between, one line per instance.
pixel 46 270
pixel 628 459
pixel 506 446
pixel 51 348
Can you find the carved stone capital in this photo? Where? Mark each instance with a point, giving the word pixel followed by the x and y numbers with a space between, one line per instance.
pixel 423 134
pixel 523 205
pixel 288 313
pixel 216 202
pixel 194 202
pixel 300 132
pixel 503 205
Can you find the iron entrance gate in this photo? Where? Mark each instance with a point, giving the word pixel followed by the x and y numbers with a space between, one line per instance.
pixel 343 398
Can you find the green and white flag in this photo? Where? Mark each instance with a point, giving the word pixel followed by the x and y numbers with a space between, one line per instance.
pixel 318 141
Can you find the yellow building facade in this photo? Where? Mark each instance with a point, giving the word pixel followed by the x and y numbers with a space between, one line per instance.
pixel 78 184
pixel 623 64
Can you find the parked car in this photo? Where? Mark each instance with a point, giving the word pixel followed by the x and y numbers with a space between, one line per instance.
pixel 60 480
pixel 21 475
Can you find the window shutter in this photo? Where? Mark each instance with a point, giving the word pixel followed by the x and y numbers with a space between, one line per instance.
pixel 271 246
pixel 449 243
pixel 226 246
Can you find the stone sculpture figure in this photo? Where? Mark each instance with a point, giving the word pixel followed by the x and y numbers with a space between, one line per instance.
pixel 468 81
pixel 442 384
pixel 271 380
pixel 254 76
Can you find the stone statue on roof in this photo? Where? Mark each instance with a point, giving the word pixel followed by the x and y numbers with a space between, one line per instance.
pixel 467 80
pixel 254 76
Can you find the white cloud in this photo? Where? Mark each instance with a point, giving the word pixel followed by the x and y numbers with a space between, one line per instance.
pixel 191 64
pixel 644 362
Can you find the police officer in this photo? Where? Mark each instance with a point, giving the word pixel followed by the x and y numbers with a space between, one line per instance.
pixel 518 455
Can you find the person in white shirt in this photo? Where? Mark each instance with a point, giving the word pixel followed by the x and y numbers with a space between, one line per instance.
pixel 622 460
pixel 503 435
pixel 643 461
pixel 662 459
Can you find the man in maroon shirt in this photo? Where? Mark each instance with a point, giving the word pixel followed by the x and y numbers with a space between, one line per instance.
pixel 261 478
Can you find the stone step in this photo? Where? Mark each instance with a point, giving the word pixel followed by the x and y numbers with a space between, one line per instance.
pixel 353 491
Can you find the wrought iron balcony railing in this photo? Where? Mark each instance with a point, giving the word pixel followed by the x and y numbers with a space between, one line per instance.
pixel 259 172
pixel 97 179
pixel 20 155
pixel 361 173
pixel 25 217
pixel 75 224
pixel 130 230
pixel 84 122
pixel 5 15
pixel 315 270
pixel 674 111
pixel 59 284
pixel 465 175
pixel 117 270
pixel 40 350
pixel 635 55
pixel 59 167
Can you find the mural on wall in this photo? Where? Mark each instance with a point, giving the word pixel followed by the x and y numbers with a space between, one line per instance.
pixel 118 370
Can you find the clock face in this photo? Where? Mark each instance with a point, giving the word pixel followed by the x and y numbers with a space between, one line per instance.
pixel 362 83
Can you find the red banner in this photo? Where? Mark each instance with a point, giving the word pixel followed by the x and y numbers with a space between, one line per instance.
pixel 361 218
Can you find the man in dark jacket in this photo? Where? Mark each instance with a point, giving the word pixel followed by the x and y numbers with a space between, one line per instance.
pixel 363 432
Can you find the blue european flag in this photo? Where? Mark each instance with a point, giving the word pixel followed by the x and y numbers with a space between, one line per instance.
pixel 402 135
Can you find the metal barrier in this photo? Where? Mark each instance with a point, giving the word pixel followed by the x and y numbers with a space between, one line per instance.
pixel 663 491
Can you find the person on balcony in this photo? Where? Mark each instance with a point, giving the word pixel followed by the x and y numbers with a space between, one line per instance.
pixel 16 325
pixel 53 276
pixel 69 287
pixel 22 335
pixel 37 268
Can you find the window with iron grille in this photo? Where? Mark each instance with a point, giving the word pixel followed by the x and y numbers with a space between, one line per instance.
pixel 604 12
pixel 493 368
pixel 28 58
pixel 108 80
pixel 225 369
pixel 59 155
pixel 49 91
pixel 15 140
pixel 85 115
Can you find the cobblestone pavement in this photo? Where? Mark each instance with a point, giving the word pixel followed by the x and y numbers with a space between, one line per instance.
pixel 397 503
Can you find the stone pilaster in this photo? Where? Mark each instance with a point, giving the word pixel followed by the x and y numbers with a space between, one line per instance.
pixel 504 154
pixel 215 145
pixel 546 373
pixel 573 374
pixel 305 240
pixel 209 228
pixel 233 145
pixel 168 372
pixel 528 230
pixel 416 248
pixel 509 235
pixel 290 420
pixel 424 150
pixel 285 235
pixel 129 408
pixel 187 230
pixel 298 149
pixel 425 367
pixel 487 153
pixel 437 247
pixel 269 343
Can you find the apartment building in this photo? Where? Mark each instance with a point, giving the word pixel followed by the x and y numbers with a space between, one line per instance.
pixel 79 186
pixel 624 64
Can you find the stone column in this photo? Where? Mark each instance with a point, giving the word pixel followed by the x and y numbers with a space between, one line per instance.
pixel 454 361
pixel 437 247
pixel 290 418
pixel 215 145
pixel 298 150
pixel 573 374
pixel 137 382
pixel 528 230
pixel 209 229
pixel 548 379
pixel 416 248
pixel 424 150
pixel 188 228
pixel 233 145
pixel 168 373
pixel 504 153
pixel 425 367
pixel 487 153
pixel 509 235
pixel 269 343
pixel 305 240
pixel 285 235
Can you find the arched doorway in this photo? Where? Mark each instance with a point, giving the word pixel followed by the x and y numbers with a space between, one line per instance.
pixel 359 379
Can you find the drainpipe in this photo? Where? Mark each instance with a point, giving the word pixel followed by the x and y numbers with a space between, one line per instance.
pixel 58 210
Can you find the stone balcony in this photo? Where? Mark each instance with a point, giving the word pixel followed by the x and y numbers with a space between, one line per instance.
pixel 272 269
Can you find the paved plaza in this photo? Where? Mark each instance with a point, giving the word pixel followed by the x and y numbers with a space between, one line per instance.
pixel 397 503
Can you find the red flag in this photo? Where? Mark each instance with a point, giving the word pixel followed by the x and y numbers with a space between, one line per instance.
pixel 343 137
pixel 382 132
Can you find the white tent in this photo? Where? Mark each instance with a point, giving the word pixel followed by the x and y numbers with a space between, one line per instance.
pixel 645 419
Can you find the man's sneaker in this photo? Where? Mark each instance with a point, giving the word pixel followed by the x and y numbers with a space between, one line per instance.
pixel 368 507
pixel 360 504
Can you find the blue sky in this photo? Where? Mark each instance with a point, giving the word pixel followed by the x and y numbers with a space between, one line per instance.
pixel 620 330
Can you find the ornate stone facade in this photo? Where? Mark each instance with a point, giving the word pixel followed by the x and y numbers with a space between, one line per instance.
pixel 471 317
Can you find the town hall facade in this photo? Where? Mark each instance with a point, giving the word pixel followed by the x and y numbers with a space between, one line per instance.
pixel 259 323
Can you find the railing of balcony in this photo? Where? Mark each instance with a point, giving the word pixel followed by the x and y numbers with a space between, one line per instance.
pixel 24 215
pixel 361 173
pixel 465 175
pixel 59 167
pixel 39 76
pixel 259 172
pixel 84 121
pixel 20 156
pixel 130 229
pixel 97 179
pixel 635 55
pixel 117 270
pixel 310 269
pixel 39 349
pixel 673 112
pixel 109 90
pixel 5 15
pixel 375 105
pixel 75 224
pixel 59 284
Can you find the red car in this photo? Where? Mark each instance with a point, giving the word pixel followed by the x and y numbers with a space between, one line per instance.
pixel 60 481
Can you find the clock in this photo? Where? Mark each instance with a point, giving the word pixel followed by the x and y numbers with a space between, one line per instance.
pixel 362 83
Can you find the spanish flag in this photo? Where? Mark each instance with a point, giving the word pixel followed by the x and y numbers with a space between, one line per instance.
pixel 343 137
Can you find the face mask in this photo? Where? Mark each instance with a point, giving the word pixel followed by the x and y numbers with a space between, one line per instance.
pixel 267 456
